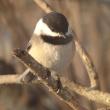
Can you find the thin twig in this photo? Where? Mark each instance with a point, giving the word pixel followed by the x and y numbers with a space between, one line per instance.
pixel 43 5
pixel 81 51
pixel 9 79
pixel 88 64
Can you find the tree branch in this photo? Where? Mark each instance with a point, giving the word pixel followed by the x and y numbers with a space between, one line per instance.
pixel 43 5
pixel 9 79
pixel 43 73
pixel 68 86
pixel 88 64
pixel 93 95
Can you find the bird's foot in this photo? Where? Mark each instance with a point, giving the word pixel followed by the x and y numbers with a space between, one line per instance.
pixel 55 82
pixel 59 85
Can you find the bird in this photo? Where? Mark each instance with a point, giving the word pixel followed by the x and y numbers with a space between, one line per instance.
pixel 52 43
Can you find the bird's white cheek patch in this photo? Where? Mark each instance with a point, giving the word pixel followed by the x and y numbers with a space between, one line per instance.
pixel 42 29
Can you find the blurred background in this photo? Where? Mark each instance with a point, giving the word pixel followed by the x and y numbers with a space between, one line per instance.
pixel 90 19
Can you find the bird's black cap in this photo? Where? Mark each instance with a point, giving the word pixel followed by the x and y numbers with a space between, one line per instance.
pixel 56 22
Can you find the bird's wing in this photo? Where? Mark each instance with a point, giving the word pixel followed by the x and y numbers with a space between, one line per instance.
pixel 29 45
pixel 33 39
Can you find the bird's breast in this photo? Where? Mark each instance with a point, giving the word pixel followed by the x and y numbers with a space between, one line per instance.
pixel 54 57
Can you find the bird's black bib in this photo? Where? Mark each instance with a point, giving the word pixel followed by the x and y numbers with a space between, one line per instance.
pixel 56 40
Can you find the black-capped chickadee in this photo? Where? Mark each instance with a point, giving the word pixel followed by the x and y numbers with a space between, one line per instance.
pixel 52 43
